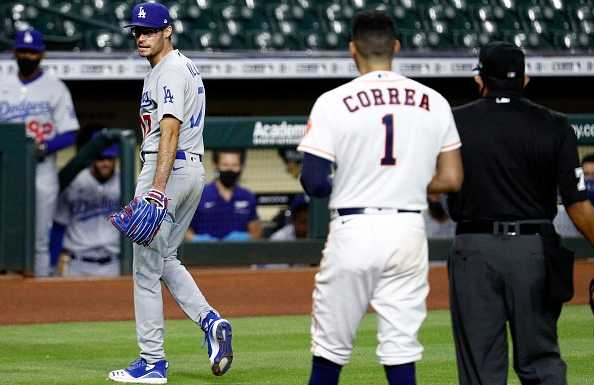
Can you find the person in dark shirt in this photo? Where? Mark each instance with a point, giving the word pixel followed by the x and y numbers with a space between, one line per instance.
pixel 226 211
pixel 516 156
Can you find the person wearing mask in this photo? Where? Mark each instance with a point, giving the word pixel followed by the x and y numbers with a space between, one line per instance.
pixel 44 104
pixel 227 211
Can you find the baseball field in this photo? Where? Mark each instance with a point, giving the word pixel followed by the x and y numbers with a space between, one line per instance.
pixel 75 330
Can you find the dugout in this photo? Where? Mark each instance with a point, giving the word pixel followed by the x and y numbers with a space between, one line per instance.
pixel 262 136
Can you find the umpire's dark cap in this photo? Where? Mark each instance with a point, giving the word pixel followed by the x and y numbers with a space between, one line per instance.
pixel 501 60
pixel 150 15
pixel 29 39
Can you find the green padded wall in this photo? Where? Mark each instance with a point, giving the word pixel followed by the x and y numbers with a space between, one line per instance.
pixel 17 205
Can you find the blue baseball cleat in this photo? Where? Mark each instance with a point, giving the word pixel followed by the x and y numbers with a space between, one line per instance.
pixel 141 372
pixel 218 335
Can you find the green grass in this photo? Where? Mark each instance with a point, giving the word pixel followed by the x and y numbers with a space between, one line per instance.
pixel 268 350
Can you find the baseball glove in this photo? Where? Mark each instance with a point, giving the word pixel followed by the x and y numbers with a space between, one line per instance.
pixel 141 219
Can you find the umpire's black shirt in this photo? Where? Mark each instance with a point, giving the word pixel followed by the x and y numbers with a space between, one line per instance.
pixel 516 154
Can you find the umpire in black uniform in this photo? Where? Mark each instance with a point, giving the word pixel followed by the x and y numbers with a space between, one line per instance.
pixel 506 264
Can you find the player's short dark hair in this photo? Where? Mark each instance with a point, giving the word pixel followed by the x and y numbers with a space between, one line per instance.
pixel 240 151
pixel 588 158
pixel 374 34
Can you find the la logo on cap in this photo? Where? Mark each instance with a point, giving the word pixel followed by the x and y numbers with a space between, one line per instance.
pixel 141 13
pixel 28 38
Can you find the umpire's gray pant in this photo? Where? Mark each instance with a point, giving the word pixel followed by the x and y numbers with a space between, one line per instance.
pixel 495 281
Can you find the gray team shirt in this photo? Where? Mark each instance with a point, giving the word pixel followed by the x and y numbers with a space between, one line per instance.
pixel 172 81
pixel 83 207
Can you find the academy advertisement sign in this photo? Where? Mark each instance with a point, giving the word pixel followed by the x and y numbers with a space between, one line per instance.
pixel 286 131
pixel 253 132
pixel 583 126
pixel 277 134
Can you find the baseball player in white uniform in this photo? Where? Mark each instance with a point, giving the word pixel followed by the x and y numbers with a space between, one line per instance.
pixel 91 244
pixel 390 140
pixel 43 103
pixel 172 111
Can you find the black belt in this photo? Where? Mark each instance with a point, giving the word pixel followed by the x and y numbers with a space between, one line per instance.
pixel 178 155
pixel 372 210
pixel 99 261
pixel 498 228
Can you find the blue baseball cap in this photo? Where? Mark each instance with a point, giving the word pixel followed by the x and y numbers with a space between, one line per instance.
pixel 30 39
pixel 150 15
pixel 109 152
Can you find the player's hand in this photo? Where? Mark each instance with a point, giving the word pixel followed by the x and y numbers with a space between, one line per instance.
pixel 204 238
pixel 63 264
pixel 41 151
pixel 237 236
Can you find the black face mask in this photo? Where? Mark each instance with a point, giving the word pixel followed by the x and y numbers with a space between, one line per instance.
pixel 27 66
pixel 228 178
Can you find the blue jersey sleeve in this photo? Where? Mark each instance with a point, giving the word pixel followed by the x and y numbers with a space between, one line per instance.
pixel 315 176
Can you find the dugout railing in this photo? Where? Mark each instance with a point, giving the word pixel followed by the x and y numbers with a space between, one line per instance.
pixel 18 202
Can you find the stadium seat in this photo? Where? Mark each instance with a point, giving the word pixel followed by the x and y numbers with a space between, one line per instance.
pixel 312 40
pixel 304 19
pixel 238 20
pixel 407 19
pixel 446 20
pixel 270 41
pixel 121 12
pixel 425 42
pixel 514 5
pixel 583 18
pixel 108 41
pixel 183 11
pixel 529 41
pixel 494 20
pixel 216 41
pixel 543 20
pixel 411 5
pixel 182 34
pixel 573 42
pixel 470 41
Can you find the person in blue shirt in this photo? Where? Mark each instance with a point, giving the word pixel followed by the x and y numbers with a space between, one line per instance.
pixel 226 211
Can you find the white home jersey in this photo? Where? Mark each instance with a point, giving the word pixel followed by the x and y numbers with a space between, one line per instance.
pixel 168 83
pixel 388 131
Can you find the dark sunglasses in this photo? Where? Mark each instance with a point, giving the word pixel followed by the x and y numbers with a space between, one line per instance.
pixel 148 32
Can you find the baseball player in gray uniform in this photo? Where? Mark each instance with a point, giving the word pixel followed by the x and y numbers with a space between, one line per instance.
pixel 91 244
pixel 391 141
pixel 172 111
pixel 43 103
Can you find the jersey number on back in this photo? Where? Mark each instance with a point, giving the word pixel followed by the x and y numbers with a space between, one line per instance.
pixel 388 159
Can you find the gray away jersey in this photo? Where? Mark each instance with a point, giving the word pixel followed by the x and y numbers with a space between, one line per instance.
pixel 165 93
pixel 83 207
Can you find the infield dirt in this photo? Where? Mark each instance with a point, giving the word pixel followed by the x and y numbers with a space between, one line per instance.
pixel 233 291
